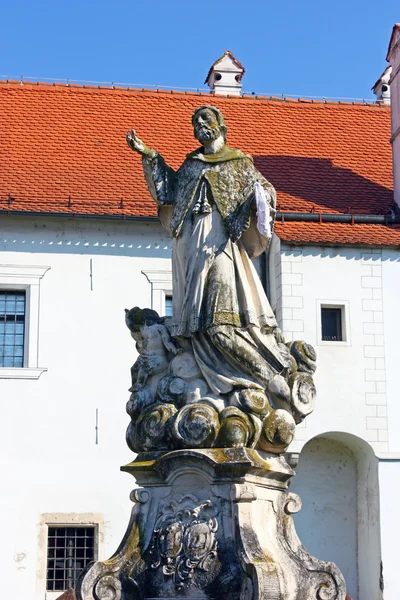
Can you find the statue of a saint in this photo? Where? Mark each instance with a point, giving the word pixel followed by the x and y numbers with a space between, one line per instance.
pixel 220 210
pixel 209 206
pixel 216 394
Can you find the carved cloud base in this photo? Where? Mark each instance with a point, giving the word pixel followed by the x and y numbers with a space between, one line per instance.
pixel 212 524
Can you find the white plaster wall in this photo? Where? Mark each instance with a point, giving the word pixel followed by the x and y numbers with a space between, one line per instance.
pixel 326 481
pixel 388 482
pixel 389 468
pixel 49 460
pixel 357 382
pixel 338 482
pixel 391 298
pixel 351 376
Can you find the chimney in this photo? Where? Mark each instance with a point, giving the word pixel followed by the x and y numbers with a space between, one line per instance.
pixel 225 76
pixel 381 88
pixel 393 57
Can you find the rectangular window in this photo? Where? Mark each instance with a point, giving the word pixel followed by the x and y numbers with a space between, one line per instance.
pixel 12 328
pixel 69 550
pixel 168 306
pixel 331 324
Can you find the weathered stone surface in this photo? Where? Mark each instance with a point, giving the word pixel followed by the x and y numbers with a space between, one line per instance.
pixel 215 398
pixel 212 524
pixel 222 347
pixel 172 406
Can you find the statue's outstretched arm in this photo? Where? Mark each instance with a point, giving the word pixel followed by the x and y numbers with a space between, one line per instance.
pixel 138 146
pixel 159 176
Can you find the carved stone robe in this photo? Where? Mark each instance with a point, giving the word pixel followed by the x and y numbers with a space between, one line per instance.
pixel 208 206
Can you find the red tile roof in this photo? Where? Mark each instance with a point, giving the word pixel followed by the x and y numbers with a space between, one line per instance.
pixel 63 150
pixel 338 234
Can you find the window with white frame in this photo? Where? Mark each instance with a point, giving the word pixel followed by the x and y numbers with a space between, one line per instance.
pixel 333 322
pixel 19 321
pixel 161 291
pixel 12 328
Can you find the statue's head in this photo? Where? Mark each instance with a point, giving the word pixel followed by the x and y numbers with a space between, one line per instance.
pixel 208 123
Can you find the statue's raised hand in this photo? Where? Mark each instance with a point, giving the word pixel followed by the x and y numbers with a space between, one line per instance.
pixel 137 145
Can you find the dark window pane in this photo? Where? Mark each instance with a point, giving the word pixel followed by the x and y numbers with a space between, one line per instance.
pixel 73 549
pixel 331 322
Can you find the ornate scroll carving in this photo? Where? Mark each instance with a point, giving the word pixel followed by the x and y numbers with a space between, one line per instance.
pixel 195 426
pixel 233 540
pixel 172 406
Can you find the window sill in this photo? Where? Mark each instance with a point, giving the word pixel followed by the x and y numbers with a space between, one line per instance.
pixel 20 373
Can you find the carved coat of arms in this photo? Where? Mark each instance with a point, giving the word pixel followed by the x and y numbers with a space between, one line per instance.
pixel 184 538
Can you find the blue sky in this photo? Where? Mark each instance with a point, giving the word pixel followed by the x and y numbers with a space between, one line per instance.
pixel 333 48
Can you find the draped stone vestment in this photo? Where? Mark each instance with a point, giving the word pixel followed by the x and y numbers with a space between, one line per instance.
pixel 208 206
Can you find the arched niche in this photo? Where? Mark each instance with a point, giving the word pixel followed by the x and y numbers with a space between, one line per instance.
pixel 337 480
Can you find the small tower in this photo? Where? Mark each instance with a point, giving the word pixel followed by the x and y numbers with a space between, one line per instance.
pixel 381 88
pixel 225 75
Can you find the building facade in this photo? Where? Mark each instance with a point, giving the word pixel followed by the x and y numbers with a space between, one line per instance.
pixel 80 242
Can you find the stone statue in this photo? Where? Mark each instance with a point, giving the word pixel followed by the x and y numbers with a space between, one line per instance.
pixel 216 394
pixel 220 210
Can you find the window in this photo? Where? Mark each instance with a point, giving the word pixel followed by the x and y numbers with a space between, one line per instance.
pixel 67 542
pixel 331 324
pixel 19 321
pixel 12 328
pixel 161 291
pixel 69 551
pixel 168 306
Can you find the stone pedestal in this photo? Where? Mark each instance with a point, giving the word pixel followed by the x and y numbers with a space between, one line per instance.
pixel 212 524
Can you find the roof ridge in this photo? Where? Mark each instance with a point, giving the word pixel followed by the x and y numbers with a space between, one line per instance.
pixel 90 86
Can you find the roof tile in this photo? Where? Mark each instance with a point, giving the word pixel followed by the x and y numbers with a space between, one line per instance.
pixel 63 142
pixel 338 234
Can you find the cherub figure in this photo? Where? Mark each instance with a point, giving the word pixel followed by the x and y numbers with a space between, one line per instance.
pixel 153 342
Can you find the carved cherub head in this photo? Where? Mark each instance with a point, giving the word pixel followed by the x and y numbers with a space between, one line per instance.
pixel 137 317
pixel 208 123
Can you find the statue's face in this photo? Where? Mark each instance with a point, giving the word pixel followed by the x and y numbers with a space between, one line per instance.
pixel 206 128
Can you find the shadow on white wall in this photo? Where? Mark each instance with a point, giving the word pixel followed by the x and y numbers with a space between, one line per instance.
pixel 337 480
